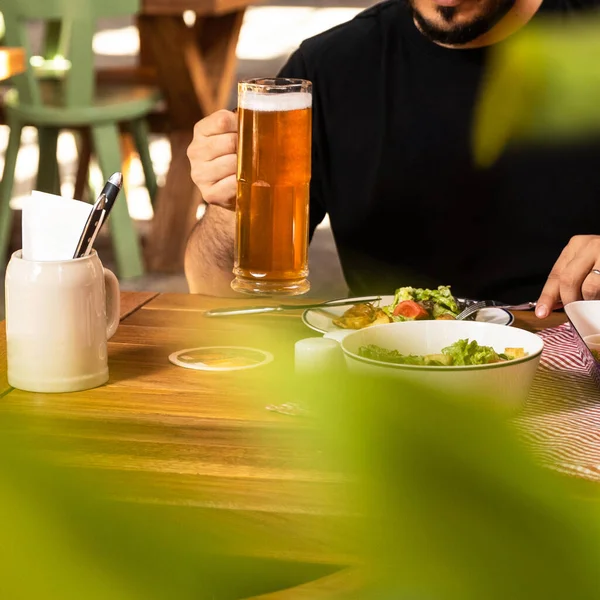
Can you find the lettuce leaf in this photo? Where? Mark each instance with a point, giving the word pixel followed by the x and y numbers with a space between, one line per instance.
pixel 392 356
pixel 461 353
pixel 464 352
pixel 442 299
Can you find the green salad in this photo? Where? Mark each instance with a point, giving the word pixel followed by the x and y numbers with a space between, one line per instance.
pixel 461 353
pixel 409 304
pixel 412 304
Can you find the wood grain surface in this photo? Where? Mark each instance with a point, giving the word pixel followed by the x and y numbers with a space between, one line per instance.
pixel 131 301
pixel 186 443
pixel 527 320
pixel 185 438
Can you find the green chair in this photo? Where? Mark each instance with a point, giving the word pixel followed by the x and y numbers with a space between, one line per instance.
pixel 71 100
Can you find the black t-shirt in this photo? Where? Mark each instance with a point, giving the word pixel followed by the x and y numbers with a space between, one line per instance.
pixel 392 166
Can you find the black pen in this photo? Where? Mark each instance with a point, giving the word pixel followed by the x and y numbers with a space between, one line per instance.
pixel 99 214
pixel 111 191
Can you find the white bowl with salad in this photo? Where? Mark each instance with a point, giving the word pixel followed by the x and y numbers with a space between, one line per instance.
pixel 469 357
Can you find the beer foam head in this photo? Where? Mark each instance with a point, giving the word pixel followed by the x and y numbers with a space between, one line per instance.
pixel 275 102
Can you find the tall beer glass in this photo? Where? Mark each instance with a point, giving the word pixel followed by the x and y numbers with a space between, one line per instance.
pixel 273 174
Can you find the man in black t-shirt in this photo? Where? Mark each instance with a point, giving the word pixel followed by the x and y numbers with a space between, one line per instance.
pixel 394 92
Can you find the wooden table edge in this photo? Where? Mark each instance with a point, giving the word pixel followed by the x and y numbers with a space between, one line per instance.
pixel 133 301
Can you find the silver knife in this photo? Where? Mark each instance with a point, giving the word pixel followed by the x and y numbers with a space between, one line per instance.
pixel 253 310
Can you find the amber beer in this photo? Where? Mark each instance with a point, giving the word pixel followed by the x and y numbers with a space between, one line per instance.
pixel 273 174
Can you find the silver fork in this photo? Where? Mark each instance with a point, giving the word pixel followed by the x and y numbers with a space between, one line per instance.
pixel 477 306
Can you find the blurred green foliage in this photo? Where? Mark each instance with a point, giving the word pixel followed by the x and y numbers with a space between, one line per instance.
pixel 64 538
pixel 441 500
pixel 454 505
pixel 542 85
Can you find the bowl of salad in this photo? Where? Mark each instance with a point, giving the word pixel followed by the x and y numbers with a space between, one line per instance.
pixel 484 359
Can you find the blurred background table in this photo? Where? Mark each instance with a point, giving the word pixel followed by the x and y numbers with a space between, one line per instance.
pixel 194 65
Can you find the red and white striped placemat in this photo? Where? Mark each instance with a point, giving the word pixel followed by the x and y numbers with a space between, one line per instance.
pixel 561 421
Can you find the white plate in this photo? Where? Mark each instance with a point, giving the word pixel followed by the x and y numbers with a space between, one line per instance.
pixel 321 319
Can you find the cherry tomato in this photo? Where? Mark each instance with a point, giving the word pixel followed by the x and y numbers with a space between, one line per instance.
pixel 411 310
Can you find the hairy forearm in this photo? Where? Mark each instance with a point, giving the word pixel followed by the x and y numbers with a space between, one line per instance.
pixel 209 253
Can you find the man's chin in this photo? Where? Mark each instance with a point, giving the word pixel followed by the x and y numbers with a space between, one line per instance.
pixel 451 35
pixel 449 27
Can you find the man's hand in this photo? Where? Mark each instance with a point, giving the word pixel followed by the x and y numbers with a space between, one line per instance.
pixel 572 277
pixel 213 156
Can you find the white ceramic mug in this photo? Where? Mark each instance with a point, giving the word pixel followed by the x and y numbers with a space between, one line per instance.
pixel 59 316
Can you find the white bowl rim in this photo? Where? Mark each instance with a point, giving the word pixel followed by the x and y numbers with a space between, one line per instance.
pixel 460 368
pixel 575 302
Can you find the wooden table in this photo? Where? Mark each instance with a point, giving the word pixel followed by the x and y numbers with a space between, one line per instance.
pixel 184 434
pixel 195 69
pixel 12 62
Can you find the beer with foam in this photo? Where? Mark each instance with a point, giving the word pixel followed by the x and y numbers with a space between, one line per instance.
pixel 273 174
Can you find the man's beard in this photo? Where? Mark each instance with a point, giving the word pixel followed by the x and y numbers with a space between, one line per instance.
pixel 465 32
